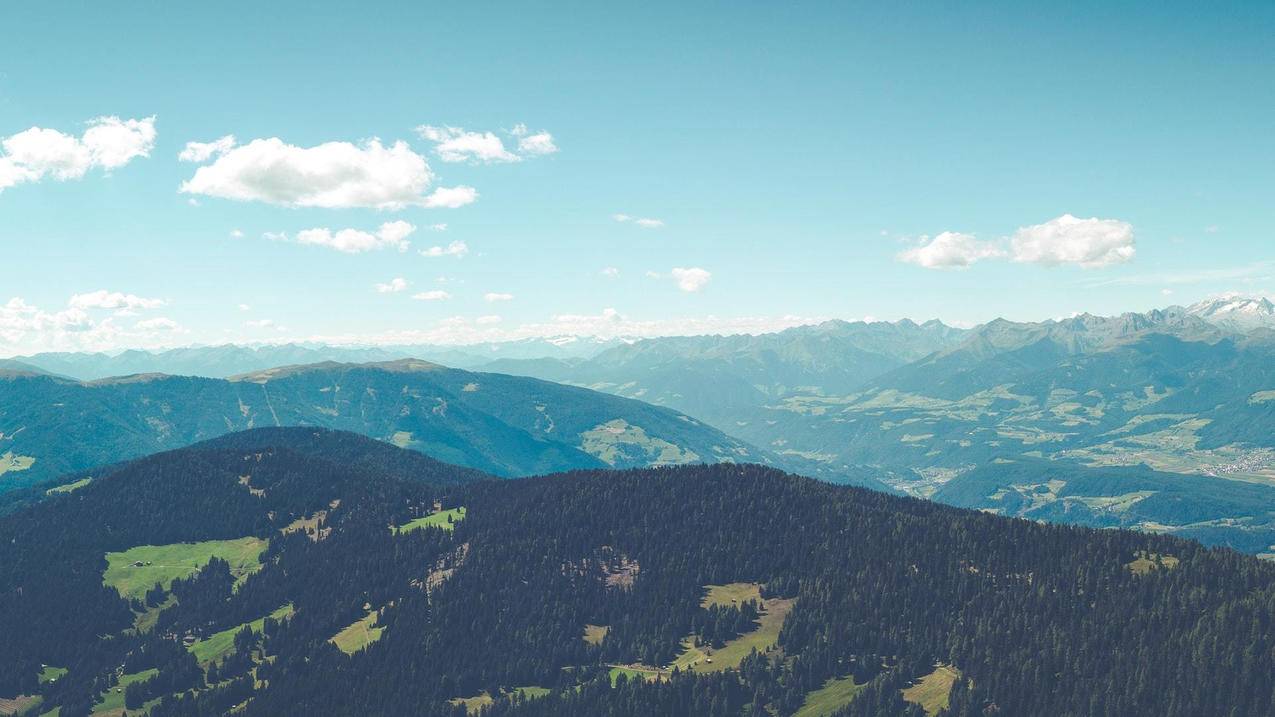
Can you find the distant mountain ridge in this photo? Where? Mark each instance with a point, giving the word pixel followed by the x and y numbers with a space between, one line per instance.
pixel 504 425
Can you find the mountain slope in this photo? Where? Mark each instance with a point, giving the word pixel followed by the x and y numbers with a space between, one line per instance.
pixel 527 595
pixel 504 425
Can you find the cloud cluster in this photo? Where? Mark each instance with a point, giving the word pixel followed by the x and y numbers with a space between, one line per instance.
pixel 390 235
pixel 493 296
pixel 456 144
pixel 108 143
pixel 81 325
pixel 332 175
pixel 690 279
pixel 1088 243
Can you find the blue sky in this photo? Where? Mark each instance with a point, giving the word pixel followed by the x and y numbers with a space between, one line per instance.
pixel 803 161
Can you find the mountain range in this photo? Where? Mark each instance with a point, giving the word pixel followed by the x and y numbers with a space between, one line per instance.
pixel 52 427
pixel 303 571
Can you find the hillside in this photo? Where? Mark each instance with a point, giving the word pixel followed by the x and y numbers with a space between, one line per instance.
pixel 295 572
pixel 504 425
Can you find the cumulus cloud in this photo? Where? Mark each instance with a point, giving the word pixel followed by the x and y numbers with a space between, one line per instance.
pixel 108 143
pixel 644 222
pixel 1089 243
pixel 432 295
pixel 113 300
pixel 80 326
pixel 393 286
pixel 456 144
pixel 610 272
pixel 457 249
pixel 203 151
pixel 332 175
pixel 492 297
pixel 950 250
pixel 690 279
pixel 390 235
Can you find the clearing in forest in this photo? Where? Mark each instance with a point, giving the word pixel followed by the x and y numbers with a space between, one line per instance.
pixel 932 691
pixel 111 702
pixel 835 694
pixel 219 645
pixel 445 519
pixel 594 634
pixel 68 487
pixel 477 702
pixel 136 570
pixel 1145 562
pixel 773 613
pixel 359 635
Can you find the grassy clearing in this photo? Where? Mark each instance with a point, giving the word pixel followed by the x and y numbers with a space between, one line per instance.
pixel 1145 562
pixel 932 691
pixel 20 705
pixel 10 463
pixel 477 702
pixel 444 519
pixel 359 635
pixel 636 672
pixel 111 702
pixel 51 673
pixel 218 645
pixel 835 694
pixel 729 657
pixel 595 634
pixel 68 487
pixel 164 563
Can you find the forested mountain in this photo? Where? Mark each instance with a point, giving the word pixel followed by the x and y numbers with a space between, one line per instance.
pixel 505 425
pixel 1183 392
pixel 300 572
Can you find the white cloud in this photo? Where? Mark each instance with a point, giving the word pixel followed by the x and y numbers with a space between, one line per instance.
pixel 537 145
pixel 950 250
pixel 113 300
pixel 451 197
pixel 1089 243
pixel 492 297
pixel 158 323
pixel 236 234
pixel 432 295
pixel 488 320
pixel 453 144
pixel 203 151
pixel 108 143
pixel 643 222
pixel 456 144
pixel 260 324
pixel 691 279
pixel 457 249
pixel 393 286
pixel 333 175
pixel 245 307
pixel 438 227
pixel 610 272
pixel 353 241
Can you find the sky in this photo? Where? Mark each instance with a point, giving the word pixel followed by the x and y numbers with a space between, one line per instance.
pixel 175 174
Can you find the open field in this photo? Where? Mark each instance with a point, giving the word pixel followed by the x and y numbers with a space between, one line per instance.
pixel 164 563
pixel 14 463
pixel 636 672
pixel 444 519
pixel 835 694
pixel 111 702
pixel 20 705
pixel 594 634
pixel 473 704
pixel 68 487
pixel 729 656
pixel 932 691
pixel 359 635
pixel 1146 562
pixel 220 644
